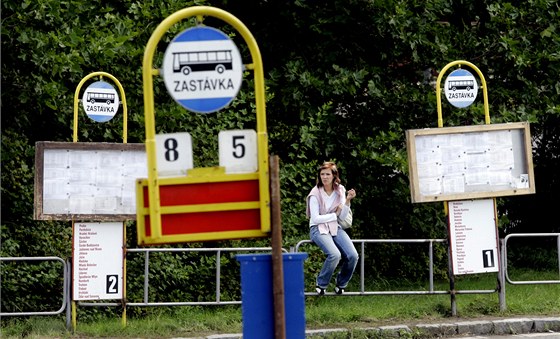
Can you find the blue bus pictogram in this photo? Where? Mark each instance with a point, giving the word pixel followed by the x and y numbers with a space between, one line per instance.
pixel 187 62
pixel 460 84
pixel 93 97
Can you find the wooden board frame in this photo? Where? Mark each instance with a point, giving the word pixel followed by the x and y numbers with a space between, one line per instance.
pixel 497 161
pixel 40 212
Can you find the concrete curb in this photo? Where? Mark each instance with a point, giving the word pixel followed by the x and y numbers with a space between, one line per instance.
pixel 493 327
pixel 510 326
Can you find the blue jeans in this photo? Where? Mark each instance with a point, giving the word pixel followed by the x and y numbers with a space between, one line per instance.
pixel 336 248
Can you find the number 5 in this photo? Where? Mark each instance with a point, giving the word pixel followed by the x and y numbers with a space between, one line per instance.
pixel 238 151
pixel 237 143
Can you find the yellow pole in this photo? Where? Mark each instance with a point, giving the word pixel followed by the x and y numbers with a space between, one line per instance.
pixel 73 316
pixel 438 97
pixel 486 111
pixel 75 139
pixel 124 276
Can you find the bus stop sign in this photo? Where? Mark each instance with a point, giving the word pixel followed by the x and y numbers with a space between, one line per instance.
pixel 100 101
pixel 461 88
pixel 202 69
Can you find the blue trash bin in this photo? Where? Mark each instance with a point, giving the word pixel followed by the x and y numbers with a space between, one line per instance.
pixel 257 297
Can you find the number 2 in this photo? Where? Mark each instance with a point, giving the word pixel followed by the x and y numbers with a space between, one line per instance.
pixel 112 286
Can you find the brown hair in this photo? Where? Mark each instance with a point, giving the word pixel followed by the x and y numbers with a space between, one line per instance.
pixel 332 166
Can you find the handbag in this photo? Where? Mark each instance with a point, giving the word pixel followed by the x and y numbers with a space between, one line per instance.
pixel 347 222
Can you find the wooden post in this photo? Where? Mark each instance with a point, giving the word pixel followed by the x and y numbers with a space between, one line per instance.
pixel 277 259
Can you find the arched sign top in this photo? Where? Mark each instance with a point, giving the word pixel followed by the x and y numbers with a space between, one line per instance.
pixel 482 86
pixel 123 96
pixel 148 70
pixel 202 69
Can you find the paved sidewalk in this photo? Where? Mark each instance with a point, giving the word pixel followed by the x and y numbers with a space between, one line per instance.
pixel 501 327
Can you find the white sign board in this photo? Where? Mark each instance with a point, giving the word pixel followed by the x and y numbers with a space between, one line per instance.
pixel 174 154
pixel 473 236
pixel 202 69
pixel 100 101
pixel 238 151
pixel 87 181
pixel 97 261
pixel 470 162
pixel 461 88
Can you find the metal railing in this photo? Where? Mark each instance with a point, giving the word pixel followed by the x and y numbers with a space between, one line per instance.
pixel 65 274
pixel 530 235
pixel 218 292
pixel 362 243
pixel 147 252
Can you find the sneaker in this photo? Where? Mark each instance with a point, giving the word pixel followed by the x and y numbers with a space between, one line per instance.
pixel 320 291
pixel 338 290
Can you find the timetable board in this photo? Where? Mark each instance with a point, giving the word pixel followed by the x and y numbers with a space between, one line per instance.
pixel 470 162
pixel 98 260
pixel 87 181
pixel 473 236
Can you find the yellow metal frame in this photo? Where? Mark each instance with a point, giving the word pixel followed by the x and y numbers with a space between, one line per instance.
pixel 153 182
pixel 75 139
pixel 77 99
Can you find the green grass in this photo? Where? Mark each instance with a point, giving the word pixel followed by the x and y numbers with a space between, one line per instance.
pixel 321 312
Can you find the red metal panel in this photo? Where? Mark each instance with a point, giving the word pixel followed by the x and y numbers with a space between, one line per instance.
pixel 222 221
pixel 206 193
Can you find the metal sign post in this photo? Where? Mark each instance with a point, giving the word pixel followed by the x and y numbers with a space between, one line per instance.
pixel 202 70
pixel 469 162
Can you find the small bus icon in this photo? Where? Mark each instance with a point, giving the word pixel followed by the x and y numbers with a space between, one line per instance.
pixel 93 97
pixel 187 62
pixel 460 84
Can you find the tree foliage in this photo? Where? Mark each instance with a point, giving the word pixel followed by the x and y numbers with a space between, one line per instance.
pixel 344 81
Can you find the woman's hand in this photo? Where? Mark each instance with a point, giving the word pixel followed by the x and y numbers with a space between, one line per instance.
pixel 351 194
pixel 338 210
